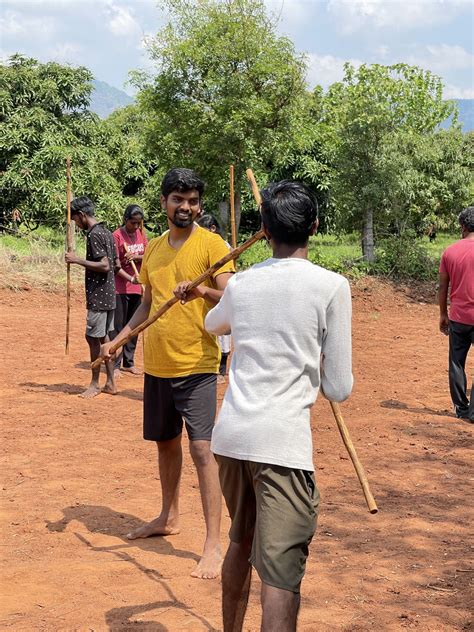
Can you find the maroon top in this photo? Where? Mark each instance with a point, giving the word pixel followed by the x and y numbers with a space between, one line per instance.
pixel 457 262
pixel 136 243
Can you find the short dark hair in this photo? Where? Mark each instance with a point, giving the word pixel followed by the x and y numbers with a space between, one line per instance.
pixel 289 210
pixel 84 205
pixel 133 210
pixel 466 218
pixel 208 221
pixel 182 180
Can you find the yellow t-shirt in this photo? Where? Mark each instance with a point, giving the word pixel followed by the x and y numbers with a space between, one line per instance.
pixel 177 343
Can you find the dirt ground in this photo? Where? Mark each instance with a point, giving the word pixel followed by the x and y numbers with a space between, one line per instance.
pixel 77 476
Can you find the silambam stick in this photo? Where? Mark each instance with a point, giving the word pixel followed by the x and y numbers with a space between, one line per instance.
pixel 231 256
pixel 344 432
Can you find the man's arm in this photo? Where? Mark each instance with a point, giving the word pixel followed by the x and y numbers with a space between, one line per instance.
pixel 336 373
pixel 209 294
pixel 102 265
pixel 217 321
pixel 443 302
pixel 138 318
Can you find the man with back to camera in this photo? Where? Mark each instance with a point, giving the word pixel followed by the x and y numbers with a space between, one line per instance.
pixel 100 263
pixel 286 315
pixel 456 273
pixel 181 359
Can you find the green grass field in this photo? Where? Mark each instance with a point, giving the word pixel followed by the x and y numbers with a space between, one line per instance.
pixel 36 259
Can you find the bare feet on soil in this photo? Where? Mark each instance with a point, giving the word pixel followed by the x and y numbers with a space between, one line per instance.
pixel 131 369
pixel 110 389
pixel 210 564
pixel 155 527
pixel 91 391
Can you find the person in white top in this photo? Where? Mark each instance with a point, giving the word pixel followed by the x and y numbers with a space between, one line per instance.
pixel 291 325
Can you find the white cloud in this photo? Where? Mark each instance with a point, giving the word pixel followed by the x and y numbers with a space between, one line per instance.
pixel 441 58
pixel 65 53
pixel 16 25
pixel 353 15
pixel 454 92
pixel 121 21
pixel 327 69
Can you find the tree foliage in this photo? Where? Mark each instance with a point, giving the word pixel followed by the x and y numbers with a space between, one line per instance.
pixel 392 165
pixel 227 90
pixel 44 118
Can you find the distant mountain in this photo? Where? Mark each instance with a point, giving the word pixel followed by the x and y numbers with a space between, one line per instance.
pixel 105 98
pixel 466 115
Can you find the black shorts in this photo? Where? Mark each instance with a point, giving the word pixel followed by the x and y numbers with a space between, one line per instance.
pixel 169 400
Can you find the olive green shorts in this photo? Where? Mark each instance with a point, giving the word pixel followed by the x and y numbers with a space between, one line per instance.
pixel 278 507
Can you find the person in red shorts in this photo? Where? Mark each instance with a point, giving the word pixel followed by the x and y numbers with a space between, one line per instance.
pixel 456 274
pixel 130 244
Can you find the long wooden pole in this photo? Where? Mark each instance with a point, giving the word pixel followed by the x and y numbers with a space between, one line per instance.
pixel 344 432
pixel 233 254
pixel 69 249
pixel 232 209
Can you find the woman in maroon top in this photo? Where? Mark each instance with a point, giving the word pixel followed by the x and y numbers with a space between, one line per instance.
pixel 130 243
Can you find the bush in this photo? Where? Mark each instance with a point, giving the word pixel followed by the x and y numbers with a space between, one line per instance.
pixel 404 258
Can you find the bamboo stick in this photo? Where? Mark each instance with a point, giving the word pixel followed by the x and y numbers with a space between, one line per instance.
pixel 334 406
pixel 231 256
pixel 69 249
pixel 344 432
pixel 232 209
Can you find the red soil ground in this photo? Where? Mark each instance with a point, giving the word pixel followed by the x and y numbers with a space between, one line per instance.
pixel 77 476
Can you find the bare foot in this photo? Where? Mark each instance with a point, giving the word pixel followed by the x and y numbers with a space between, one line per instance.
pixel 110 389
pixel 132 369
pixel 156 527
pixel 91 392
pixel 210 565
pixel 117 374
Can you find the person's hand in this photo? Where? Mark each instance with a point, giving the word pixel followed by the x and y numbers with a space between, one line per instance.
pixel 130 256
pixel 70 257
pixel 181 292
pixel 105 351
pixel 444 325
pixel 135 280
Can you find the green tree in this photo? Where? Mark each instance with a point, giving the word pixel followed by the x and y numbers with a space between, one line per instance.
pixel 44 118
pixel 227 90
pixel 388 156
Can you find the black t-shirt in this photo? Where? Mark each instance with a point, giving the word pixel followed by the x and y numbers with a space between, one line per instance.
pixel 100 287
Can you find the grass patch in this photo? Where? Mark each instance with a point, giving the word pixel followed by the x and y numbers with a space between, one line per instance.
pixel 36 260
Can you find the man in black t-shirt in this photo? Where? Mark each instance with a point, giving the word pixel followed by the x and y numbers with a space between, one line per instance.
pixel 100 262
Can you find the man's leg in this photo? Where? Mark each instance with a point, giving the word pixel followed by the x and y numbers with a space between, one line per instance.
pixel 170 459
pixel 279 609
pixel 236 576
pixel 459 344
pixel 93 388
pixel 119 323
pixel 132 304
pixel 109 387
pixel 211 561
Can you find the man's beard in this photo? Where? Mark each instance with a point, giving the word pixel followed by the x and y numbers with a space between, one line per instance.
pixel 181 222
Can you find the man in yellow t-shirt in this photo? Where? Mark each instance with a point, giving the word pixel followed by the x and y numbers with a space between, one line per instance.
pixel 181 360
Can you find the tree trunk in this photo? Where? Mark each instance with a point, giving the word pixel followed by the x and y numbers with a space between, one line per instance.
pixel 368 253
pixel 224 213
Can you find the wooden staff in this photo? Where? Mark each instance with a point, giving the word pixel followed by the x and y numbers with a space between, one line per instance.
pixel 232 209
pixel 69 249
pixel 233 254
pixel 132 262
pixel 334 406
pixel 344 432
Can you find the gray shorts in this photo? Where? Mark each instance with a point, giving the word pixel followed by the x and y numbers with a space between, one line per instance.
pixel 278 508
pixel 169 400
pixel 99 324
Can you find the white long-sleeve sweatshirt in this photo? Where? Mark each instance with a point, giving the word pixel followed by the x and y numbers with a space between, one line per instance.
pixel 283 314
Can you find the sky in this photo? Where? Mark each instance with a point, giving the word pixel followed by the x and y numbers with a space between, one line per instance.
pixel 109 36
